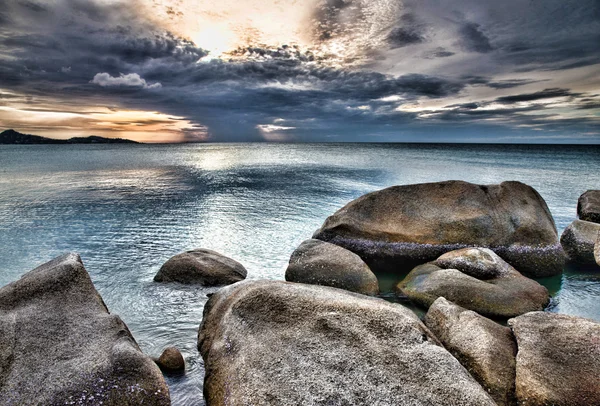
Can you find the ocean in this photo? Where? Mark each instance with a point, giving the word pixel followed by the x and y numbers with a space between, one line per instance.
pixel 126 209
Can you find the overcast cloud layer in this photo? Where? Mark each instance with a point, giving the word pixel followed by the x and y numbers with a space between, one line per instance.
pixel 334 70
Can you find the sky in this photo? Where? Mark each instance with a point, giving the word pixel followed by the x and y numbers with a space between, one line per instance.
pixel 511 71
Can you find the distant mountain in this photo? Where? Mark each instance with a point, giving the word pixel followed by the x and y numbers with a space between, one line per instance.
pixel 15 137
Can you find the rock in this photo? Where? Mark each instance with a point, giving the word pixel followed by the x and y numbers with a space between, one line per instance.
pixel 280 343
pixel 480 281
pixel 321 263
pixel 558 360
pixel 60 345
pixel 171 360
pixel 397 228
pixel 588 206
pixel 480 263
pixel 578 241
pixel 203 267
pixel 483 346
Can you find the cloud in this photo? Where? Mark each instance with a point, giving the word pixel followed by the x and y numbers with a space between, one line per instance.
pixel 473 39
pixel 130 80
pixel 366 69
pixel 544 94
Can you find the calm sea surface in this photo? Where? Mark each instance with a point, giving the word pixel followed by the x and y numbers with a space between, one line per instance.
pixel 127 208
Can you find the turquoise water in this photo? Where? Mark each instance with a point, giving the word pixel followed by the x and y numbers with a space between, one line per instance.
pixel 127 208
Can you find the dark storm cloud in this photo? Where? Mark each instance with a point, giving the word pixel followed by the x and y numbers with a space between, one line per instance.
pixel 107 54
pixel 544 94
pixel 473 39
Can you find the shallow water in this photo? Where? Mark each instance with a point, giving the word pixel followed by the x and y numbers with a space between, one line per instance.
pixel 127 208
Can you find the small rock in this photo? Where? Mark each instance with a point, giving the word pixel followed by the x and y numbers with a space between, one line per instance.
pixel 171 360
pixel 203 267
pixel 480 281
pixel 588 206
pixel 578 241
pixel 321 263
pixel 483 346
pixel 558 360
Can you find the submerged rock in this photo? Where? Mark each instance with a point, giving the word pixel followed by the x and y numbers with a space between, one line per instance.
pixel 558 360
pixel 480 281
pixel 60 345
pixel 171 360
pixel 483 346
pixel 397 228
pixel 578 241
pixel 278 343
pixel 588 206
pixel 321 263
pixel 203 267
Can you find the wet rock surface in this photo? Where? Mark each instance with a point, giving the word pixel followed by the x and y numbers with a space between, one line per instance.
pixel 203 267
pixel 579 240
pixel 397 228
pixel 59 345
pixel 480 281
pixel 171 360
pixel 321 263
pixel 558 360
pixel 483 346
pixel 588 206
pixel 269 342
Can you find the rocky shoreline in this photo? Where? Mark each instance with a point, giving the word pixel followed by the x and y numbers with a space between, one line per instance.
pixel 465 253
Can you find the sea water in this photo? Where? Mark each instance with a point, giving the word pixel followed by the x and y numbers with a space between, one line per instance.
pixel 127 208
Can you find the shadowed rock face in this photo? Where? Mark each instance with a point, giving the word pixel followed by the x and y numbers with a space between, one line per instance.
pixel 484 347
pixel 320 263
pixel 588 206
pixel 558 360
pixel 403 226
pixel 202 267
pixel 480 281
pixel 578 241
pixel 597 250
pixel 278 343
pixel 60 345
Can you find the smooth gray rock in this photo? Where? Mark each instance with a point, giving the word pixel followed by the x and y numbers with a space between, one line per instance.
pixel 480 281
pixel 558 360
pixel 203 267
pixel 397 228
pixel 483 346
pixel 588 206
pixel 281 343
pixel 59 345
pixel 578 241
pixel 320 263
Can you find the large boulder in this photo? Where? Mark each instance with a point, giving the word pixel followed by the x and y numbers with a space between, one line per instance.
pixel 483 346
pixel 280 343
pixel 588 206
pixel 59 345
pixel 578 241
pixel 476 279
pixel 397 228
pixel 320 263
pixel 558 360
pixel 203 267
